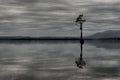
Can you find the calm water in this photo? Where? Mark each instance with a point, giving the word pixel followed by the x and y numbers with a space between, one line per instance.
pixel 56 61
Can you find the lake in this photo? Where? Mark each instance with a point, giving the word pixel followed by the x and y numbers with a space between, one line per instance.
pixel 56 61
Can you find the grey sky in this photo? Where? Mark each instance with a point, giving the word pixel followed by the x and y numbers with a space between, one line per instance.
pixel 56 17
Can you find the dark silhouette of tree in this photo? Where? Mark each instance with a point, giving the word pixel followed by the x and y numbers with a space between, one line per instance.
pixel 80 62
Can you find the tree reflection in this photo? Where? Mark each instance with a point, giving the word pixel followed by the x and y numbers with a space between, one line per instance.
pixel 80 61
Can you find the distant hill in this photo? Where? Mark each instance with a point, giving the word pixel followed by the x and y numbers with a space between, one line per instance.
pixel 111 34
pixel 106 35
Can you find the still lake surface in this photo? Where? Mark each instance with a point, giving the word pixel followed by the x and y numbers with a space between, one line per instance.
pixel 56 61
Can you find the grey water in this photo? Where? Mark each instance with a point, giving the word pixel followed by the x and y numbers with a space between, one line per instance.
pixel 56 61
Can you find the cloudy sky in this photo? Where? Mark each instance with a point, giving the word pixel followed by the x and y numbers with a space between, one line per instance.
pixel 56 17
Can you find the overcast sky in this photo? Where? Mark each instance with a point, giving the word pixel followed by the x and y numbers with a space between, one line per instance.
pixel 56 17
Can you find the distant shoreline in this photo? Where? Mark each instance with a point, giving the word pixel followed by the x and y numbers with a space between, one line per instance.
pixel 52 38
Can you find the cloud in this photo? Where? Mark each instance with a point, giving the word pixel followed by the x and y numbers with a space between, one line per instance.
pixel 27 1
pixel 107 1
pixel 59 15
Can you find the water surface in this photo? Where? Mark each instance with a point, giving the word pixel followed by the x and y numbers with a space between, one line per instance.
pixel 56 61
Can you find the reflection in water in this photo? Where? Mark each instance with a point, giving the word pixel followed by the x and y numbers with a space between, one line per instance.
pixel 80 62
pixel 56 62
pixel 106 44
